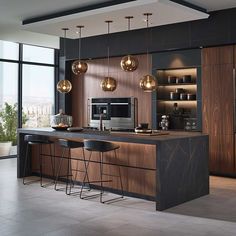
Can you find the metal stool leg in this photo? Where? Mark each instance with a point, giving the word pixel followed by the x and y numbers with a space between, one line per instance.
pixel 121 184
pixel 41 165
pixel 59 169
pixel 83 183
pixel 86 173
pixel 52 162
pixel 69 173
pixel 26 162
pixel 86 169
pixel 101 175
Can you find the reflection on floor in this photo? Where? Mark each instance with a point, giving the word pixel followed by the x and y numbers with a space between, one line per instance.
pixel 31 210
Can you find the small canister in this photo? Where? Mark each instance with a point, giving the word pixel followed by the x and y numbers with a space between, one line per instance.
pixel 171 79
pixel 187 79
pixel 174 96
pixel 179 90
pixel 191 96
pixel 179 80
pixel 183 96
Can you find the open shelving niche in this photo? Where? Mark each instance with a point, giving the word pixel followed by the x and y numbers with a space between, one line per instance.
pixel 187 108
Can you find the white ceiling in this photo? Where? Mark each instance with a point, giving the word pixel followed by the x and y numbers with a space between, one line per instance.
pixel 13 12
pixel 93 20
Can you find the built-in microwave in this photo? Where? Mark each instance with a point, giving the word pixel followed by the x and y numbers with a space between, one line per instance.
pixel 117 113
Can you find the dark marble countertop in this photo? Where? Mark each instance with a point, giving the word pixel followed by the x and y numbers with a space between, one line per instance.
pixel 114 136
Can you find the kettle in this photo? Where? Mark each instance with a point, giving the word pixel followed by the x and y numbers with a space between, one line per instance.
pixel 164 124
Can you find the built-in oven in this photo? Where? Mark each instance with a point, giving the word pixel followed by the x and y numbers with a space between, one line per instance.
pixel 99 108
pixel 117 113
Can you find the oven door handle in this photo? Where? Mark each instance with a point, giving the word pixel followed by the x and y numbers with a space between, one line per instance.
pixel 120 103
pixel 99 104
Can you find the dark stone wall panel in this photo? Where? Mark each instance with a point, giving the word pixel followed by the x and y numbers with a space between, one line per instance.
pixel 212 31
pixel 183 171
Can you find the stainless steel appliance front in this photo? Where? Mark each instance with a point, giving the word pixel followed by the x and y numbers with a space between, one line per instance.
pixel 117 113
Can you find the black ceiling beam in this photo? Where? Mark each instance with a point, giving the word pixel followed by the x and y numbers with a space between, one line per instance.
pixel 190 5
pixel 74 11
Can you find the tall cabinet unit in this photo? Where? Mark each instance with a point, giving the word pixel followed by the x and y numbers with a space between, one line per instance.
pixel 179 89
pixel 218 107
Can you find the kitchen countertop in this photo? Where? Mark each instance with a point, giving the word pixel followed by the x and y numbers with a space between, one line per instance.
pixel 114 135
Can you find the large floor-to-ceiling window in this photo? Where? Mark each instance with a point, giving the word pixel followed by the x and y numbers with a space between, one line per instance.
pixel 27 90
pixel 38 85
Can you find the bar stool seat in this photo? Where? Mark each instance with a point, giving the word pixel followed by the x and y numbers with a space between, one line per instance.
pixel 67 145
pixel 100 146
pixel 40 141
pixel 103 147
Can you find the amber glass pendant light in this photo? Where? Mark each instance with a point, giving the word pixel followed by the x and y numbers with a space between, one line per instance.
pixel 108 84
pixel 148 83
pixel 79 67
pixel 129 63
pixel 64 86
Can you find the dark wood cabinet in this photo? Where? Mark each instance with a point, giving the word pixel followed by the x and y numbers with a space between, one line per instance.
pixel 218 107
pixel 221 151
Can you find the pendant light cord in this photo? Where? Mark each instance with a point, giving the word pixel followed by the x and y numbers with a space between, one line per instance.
pixel 129 24
pixel 108 48
pixel 80 35
pixel 64 44
pixel 79 43
pixel 147 36
pixel 147 44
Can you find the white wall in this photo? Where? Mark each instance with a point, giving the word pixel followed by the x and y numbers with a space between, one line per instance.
pixel 22 36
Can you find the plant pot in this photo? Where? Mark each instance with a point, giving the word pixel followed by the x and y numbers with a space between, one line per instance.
pixel 13 150
pixel 5 148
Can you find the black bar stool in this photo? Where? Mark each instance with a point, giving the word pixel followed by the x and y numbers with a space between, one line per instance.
pixel 67 145
pixel 39 141
pixel 102 147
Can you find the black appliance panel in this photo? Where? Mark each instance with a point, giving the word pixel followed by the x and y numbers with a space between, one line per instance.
pixel 98 109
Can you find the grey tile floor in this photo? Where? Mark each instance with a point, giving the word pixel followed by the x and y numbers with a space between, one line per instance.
pixel 33 211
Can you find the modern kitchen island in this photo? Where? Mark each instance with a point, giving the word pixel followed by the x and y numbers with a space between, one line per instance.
pixel 169 169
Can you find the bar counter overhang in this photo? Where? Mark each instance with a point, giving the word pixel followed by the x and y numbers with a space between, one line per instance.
pixel 177 162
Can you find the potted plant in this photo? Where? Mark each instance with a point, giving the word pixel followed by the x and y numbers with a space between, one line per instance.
pixel 8 128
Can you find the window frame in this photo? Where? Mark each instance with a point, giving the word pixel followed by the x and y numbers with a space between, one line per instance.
pixel 20 63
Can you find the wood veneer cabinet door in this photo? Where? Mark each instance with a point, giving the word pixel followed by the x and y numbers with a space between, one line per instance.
pixel 218 107
pixel 221 150
pixel 218 99
pixel 217 55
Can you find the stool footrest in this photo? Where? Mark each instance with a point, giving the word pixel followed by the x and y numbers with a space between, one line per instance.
pixel 48 184
pixel 113 199
pixel 97 181
pixel 30 182
pixel 110 175
pixel 64 176
pixel 91 196
pixel 82 171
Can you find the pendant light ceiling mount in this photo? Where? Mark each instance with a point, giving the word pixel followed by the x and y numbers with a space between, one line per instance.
pixel 108 84
pixel 129 63
pixel 64 86
pixel 79 67
pixel 148 83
